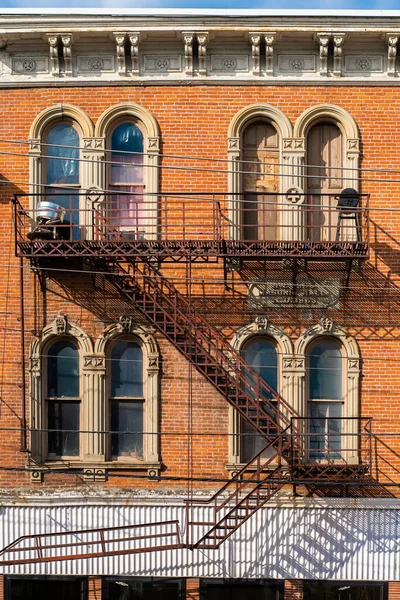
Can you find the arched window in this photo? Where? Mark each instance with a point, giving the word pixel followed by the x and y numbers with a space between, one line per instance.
pixel 127 399
pixel 260 181
pixel 126 208
pixel 63 399
pixel 325 155
pixel 325 400
pixel 62 172
pixel 260 353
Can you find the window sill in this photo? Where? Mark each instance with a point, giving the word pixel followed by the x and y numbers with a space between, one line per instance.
pixel 94 470
pixel 234 468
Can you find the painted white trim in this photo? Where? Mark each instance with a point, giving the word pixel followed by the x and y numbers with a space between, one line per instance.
pixel 213 12
pixel 261 327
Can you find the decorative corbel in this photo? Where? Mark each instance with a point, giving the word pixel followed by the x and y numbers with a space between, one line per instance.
pixel 54 58
pixel 188 39
pixel 323 39
pixel 255 39
pixel 202 51
pixel 126 323
pixel 92 474
pixel 60 325
pixel 338 40
pixel 326 325
pixel 120 52
pixel 134 39
pixel 66 40
pixel 392 53
pixel 269 52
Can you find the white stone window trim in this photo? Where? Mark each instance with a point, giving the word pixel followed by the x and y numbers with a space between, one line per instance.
pixel 38 151
pixel 293 379
pixel 94 398
pixel 125 329
pixel 326 328
pixel 129 112
pixel 95 147
pixel 351 138
pixel 293 151
pixel 260 327
pixel 59 329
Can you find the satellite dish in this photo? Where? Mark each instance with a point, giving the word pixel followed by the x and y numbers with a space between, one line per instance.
pixel 348 200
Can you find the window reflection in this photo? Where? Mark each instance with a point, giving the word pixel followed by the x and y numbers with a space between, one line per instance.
pixel 127 402
pixel 325 401
pixel 126 210
pixel 62 169
pixel 63 413
pixel 260 353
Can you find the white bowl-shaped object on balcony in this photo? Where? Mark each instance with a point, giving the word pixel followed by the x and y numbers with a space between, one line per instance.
pixel 49 211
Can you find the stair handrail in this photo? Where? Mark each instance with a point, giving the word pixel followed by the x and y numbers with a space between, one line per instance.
pixel 238 475
pixel 242 371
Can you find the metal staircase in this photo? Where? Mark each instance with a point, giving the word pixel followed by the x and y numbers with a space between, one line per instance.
pixel 159 301
pixel 233 504
pixel 241 497
pixel 172 314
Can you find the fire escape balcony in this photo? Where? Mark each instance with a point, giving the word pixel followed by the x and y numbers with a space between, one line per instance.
pixel 193 226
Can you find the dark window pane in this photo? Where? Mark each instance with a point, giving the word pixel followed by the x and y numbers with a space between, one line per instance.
pixel 325 371
pixel 63 415
pixel 262 356
pixel 229 590
pixel 252 443
pixel 326 425
pixel 127 416
pixel 63 371
pixel 344 590
pixel 127 138
pixel 131 589
pixel 127 370
pixel 43 588
pixel 64 167
pixel 70 202
pixel 126 209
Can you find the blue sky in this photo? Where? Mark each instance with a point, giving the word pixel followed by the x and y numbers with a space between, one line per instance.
pixel 204 4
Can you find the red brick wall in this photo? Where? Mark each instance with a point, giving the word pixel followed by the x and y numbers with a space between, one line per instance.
pixel 194 121
pixel 394 590
pixel 94 588
pixel 293 589
pixel 193 589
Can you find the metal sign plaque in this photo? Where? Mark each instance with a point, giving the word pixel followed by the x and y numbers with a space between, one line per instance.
pixel 321 293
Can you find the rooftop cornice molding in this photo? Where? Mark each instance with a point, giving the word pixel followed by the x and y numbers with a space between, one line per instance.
pixel 98 26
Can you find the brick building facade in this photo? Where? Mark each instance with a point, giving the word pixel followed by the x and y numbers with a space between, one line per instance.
pixel 193 310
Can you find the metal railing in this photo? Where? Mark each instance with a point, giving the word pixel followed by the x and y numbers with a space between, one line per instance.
pixel 92 543
pixel 325 444
pixel 274 224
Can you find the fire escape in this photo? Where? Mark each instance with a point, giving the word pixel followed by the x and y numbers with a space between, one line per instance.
pixel 187 229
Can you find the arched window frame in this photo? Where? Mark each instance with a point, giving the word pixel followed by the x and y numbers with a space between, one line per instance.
pixel 38 152
pixel 261 327
pixel 59 329
pixel 246 116
pixel 94 458
pixel 327 329
pixel 134 229
pixel 126 328
pixel 351 138
pixel 45 368
pixel 142 118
